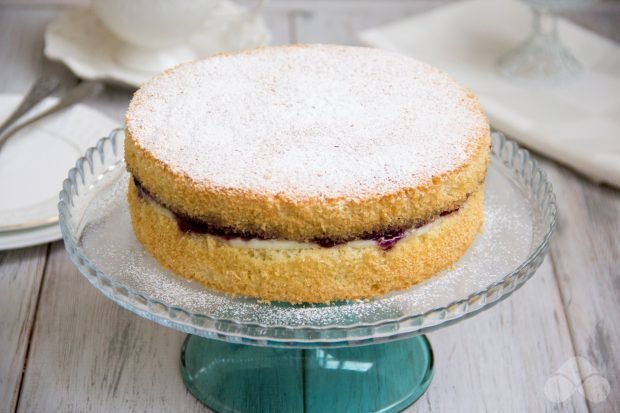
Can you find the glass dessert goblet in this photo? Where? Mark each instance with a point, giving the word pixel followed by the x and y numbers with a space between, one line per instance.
pixel 542 56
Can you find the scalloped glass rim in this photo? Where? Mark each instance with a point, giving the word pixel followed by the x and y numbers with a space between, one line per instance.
pixel 105 157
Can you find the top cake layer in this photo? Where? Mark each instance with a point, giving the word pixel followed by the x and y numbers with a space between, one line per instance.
pixel 307 122
pixel 304 143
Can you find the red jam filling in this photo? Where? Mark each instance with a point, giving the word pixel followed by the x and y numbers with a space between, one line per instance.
pixel 384 240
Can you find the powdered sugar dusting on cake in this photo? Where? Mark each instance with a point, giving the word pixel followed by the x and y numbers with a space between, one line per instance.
pixel 323 121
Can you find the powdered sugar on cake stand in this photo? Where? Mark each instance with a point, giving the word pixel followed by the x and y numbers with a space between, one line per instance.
pixel 307 121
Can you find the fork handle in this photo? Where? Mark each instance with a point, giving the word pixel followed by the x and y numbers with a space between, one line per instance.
pixel 43 87
pixel 81 91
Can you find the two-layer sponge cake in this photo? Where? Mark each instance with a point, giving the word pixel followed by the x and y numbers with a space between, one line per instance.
pixel 306 173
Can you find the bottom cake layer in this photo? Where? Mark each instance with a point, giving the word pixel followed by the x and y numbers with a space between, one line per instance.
pixel 276 270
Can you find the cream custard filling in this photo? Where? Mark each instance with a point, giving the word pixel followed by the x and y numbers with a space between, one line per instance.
pixel 257 243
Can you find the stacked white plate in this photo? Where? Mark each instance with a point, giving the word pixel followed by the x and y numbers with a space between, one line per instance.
pixel 33 165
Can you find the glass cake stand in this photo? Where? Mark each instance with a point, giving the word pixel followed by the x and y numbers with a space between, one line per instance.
pixel 244 355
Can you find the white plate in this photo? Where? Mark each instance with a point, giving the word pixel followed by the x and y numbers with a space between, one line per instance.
pixel 19 239
pixel 79 39
pixel 33 164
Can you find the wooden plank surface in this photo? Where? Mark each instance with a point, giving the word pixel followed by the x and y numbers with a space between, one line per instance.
pixel 586 255
pixel 20 279
pixel 501 360
pixel 21 47
pixel 87 354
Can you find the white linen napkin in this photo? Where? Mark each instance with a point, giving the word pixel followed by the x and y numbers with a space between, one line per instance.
pixel 575 122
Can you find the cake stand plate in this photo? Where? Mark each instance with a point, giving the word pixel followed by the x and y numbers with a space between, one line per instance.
pixel 245 355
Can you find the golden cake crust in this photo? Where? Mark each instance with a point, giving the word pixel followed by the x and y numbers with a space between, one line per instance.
pixel 305 275
pixel 286 213
pixel 302 220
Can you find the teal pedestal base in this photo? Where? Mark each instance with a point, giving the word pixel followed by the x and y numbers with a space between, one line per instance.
pixel 238 378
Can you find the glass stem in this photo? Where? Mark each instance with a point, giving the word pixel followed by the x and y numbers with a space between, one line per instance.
pixel 544 24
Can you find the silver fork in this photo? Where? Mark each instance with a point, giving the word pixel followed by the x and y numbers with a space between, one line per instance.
pixel 81 91
pixel 52 77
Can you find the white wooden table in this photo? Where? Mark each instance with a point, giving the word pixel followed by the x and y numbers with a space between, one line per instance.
pixel 64 347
